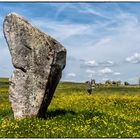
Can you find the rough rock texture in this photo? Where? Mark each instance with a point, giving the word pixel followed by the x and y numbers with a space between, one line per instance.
pixel 38 60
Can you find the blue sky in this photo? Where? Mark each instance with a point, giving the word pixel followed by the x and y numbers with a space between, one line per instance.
pixel 102 39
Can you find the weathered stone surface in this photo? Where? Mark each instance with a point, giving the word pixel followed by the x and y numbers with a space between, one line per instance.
pixel 38 60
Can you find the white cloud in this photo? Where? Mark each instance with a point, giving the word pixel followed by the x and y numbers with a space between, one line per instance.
pixel 71 75
pixel 91 63
pixel 61 8
pixel 103 42
pixel 134 58
pixel 107 63
pixel 105 71
pixel 110 62
pixel 116 73
pixel 90 71
pixel 87 9
pixel 61 30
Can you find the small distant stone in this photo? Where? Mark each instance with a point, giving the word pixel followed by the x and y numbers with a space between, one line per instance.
pixel 38 60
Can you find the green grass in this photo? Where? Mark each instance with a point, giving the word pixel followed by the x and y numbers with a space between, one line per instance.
pixel 108 112
pixel 4 82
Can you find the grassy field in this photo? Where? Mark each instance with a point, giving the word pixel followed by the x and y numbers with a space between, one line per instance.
pixel 108 112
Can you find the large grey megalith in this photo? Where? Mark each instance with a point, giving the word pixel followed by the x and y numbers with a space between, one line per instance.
pixel 38 60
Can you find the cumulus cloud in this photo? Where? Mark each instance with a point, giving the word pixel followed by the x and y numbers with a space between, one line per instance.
pixel 90 71
pixel 134 58
pixel 106 71
pixel 91 63
pixel 88 64
pixel 116 73
pixel 71 75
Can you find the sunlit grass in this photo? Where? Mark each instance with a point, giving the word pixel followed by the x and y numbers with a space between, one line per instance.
pixel 108 112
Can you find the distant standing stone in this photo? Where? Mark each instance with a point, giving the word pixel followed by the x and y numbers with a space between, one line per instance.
pixel 38 60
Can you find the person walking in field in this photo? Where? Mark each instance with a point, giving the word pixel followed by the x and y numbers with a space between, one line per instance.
pixel 89 87
pixel 93 83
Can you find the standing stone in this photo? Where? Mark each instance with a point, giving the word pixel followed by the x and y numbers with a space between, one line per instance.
pixel 38 60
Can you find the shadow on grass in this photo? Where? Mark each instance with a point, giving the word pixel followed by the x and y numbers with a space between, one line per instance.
pixel 6 113
pixel 70 113
pixel 59 112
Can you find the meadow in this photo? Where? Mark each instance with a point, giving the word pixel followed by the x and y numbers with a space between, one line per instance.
pixel 109 112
